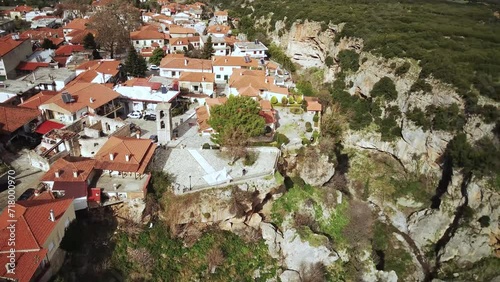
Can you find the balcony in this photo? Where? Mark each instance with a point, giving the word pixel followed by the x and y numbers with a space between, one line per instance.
pixel 108 109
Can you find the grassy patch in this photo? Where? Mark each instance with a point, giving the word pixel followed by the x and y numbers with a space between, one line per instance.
pixel 174 262
pixel 315 240
pixel 279 178
pixel 335 223
pixel 483 270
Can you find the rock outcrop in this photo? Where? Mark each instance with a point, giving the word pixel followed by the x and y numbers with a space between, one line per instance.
pixel 315 172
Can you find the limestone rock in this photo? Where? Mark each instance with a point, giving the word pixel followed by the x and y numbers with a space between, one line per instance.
pixel 297 252
pixel 273 239
pixel 290 276
pixel 427 226
pixel 316 172
pixel 255 220
pixel 467 247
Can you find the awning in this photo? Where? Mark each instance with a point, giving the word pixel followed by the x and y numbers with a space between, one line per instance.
pixel 47 126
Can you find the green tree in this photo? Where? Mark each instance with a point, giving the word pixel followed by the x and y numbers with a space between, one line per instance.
pixel 284 101
pixel 135 65
pixel 236 121
pixel 274 100
pixel 48 44
pixel 208 49
pixel 384 88
pixel 349 60
pixel 158 54
pixel 89 42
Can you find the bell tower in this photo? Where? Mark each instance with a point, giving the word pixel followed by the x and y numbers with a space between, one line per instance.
pixel 164 123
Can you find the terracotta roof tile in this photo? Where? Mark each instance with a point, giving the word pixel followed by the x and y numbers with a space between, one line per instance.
pixel 38 99
pixel 26 265
pixel 180 62
pixel 14 117
pixel 8 44
pixel 265 105
pixel 102 66
pixel 66 167
pixel 139 151
pixel 175 29
pixel 218 29
pixel 197 77
pixel 234 61
pixel 78 23
pixel 82 93
pixel 147 32
pixel 67 50
pixel 221 13
pixel 202 117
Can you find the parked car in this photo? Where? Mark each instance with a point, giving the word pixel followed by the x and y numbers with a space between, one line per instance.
pixel 154 138
pixel 150 117
pixel 154 67
pixel 135 114
pixel 27 194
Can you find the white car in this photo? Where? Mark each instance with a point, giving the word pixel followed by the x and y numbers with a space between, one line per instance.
pixel 154 67
pixel 135 114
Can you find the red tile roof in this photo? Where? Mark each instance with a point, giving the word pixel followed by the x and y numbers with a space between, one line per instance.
pixel 33 228
pixel 82 93
pixel 47 126
pixel 268 116
pixel 8 44
pixel 31 66
pixel 42 33
pixel 66 167
pixel 140 152
pixel 14 117
pixel 67 50
pixel 24 8
pixel 38 99
pixel 78 23
pixel 147 32
pixel 102 66
pixel 176 62
pixel 197 77
pixel 313 104
pixel 265 105
pixel 202 117
pixel 136 81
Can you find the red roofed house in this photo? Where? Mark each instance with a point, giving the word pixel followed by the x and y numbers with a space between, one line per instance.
pixel 148 36
pixel 180 44
pixel 313 105
pixel 198 82
pixel 39 34
pixel 74 27
pixel 268 113
pixel 84 98
pixel 172 66
pixel 39 228
pixel 16 121
pixel 70 177
pixel 221 16
pixel 255 84
pixel 19 12
pixel 123 161
pixel 13 50
pixel 203 114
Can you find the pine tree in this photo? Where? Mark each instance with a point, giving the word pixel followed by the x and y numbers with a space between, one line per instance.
pixel 89 42
pixel 135 65
pixel 208 49
pixel 158 54
pixel 48 44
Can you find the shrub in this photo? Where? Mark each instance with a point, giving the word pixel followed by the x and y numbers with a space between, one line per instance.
pixel 250 158
pixel 418 117
pixel 384 88
pixel 299 99
pixel 206 146
pixel 316 118
pixel 296 111
pixel 421 85
pixel 403 69
pixel 308 127
pixel 274 100
pixel 315 135
pixel 306 141
pixel 329 61
pixel 284 101
pixel 349 60
pixel 281 139
pixel 291 100
pixel 484 221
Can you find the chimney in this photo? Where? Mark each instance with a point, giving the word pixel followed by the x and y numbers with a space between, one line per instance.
pixel 185 62
pixel 57 174
pixel 138 135
pixel 51 215
pixel 75 173
pixel 266 81
pixel 111 156
pixel 127 157
pixel 91 100
pixel 225 60
pixel 203 78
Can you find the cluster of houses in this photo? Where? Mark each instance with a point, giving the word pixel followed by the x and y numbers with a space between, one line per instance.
pixel 69 109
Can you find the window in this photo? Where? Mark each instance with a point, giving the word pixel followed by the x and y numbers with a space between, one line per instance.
pixel 162 124
pixel 217 76
pixel 152 41
pixel 162 114
pixel 255 52
pixel 221 68
pixel 137 42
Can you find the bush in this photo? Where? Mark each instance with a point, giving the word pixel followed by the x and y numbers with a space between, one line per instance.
pixel 349 60
pixel 421 85
pixel 291 100
pixel 329 61
pixel 206 146
pixel 284 101
pixel 385 88
pixel 296 111
pixel 418 117
pixel 306 141
pixel 403 69
pixel 484 221
pixel 250 158
pixel 316 118
pixel 281 139
pixel 299 99
pixel 308 127
pixel 274 100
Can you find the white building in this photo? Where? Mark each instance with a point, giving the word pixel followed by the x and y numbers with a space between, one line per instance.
pixel 223 66
pixel 218 43
pixel 253 49
pixel 174 64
